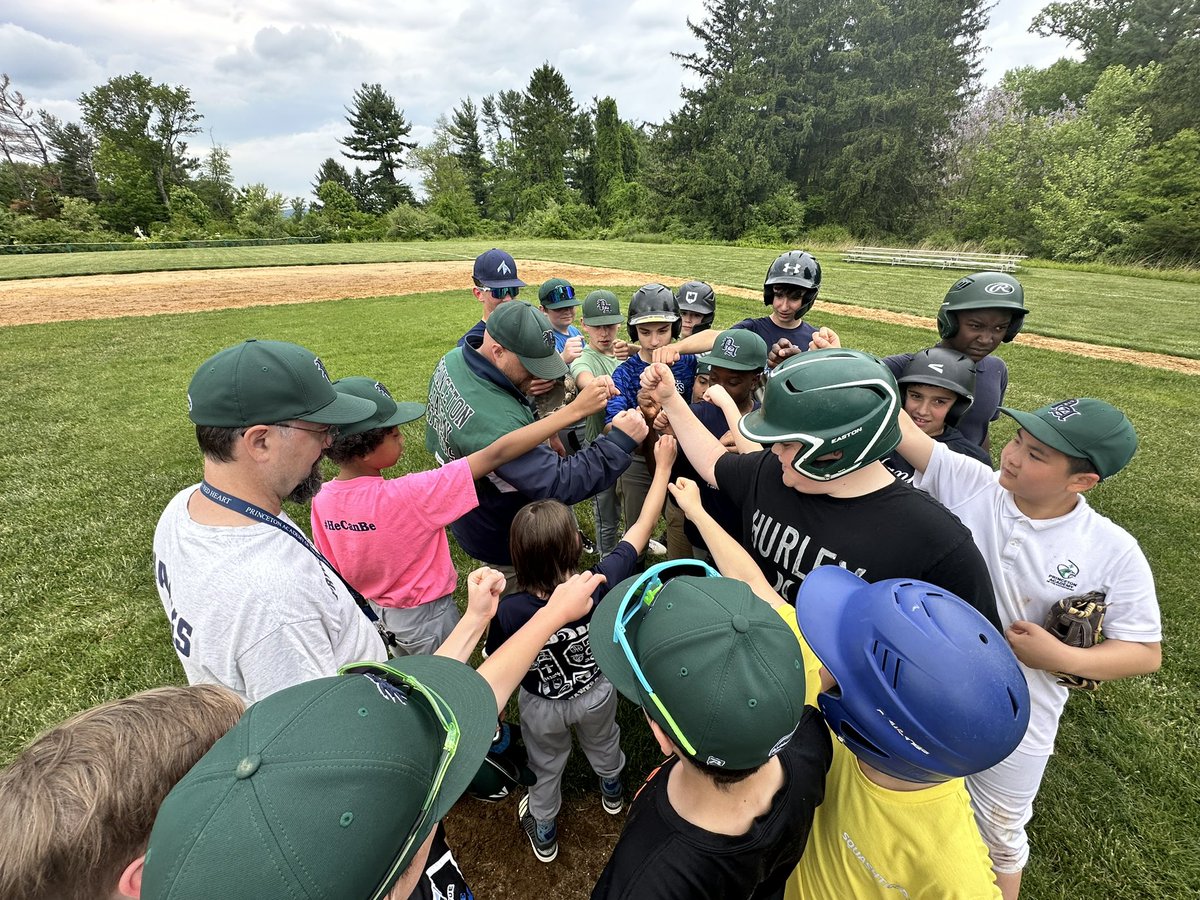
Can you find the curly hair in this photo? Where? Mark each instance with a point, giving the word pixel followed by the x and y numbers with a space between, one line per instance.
pixel 349 447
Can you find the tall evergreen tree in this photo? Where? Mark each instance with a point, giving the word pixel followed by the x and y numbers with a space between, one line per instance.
pixel 545 130
pixel 331 170
pixel 463 131
pixel 378 132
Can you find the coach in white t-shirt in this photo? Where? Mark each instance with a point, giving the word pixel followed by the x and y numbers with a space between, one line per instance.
pixel 251 606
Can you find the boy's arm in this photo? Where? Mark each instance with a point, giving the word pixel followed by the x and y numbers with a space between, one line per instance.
pixel 701 448
pixel 1108 660
pixel 664 457
pixel 484 587
pixel 731 557
pixel 504 668
pixel 695 343
pixel 590 399
pixel 915 445
pixel 720 398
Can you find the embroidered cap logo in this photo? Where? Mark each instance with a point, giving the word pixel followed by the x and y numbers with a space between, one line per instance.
pixel 320 367
pixel 729 347
pixel 1066 409
pixel 503 268
pixel 548 337
pixel 383 390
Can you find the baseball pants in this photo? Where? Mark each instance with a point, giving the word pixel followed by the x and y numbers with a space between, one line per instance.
pixel 420 629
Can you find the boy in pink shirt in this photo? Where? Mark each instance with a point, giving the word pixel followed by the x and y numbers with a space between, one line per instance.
pixel 387 537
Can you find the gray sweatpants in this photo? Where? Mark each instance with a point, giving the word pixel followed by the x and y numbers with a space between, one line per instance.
pixel 420 629
pixel 546 728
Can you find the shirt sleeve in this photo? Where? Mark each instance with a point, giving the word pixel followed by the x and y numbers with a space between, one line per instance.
pixel 1133 613
pixel 953 478
pixel 736 473
pixel 439 496
pixel 1003 388
pixel 627 398
pixel 290 654
pixel 541 473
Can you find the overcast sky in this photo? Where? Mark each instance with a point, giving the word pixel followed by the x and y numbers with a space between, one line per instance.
pixel 272 79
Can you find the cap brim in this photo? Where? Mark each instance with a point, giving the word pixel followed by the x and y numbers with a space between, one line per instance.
pixel 474 705
pixel 609 655
pixel 824 599
pixel 1043 431
pixel 346 409
pixel 724 362
pixel 507 282
pixel 547 367
pixel 653 320
pixel 603 320
pixel 405 412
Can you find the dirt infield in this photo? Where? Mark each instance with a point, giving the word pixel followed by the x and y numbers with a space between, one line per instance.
pixel 39 300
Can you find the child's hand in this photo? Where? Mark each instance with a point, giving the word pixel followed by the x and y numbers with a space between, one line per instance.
pixel 719 397
pixel 556 445
pixel 622 350
pixel 572 599
pixel 594 397
pixel 539 386
pixel 686 494
pixel 662 424
pixel 824 338
pixel 666 448
pixel 780 350
pixel 659 380
pixel 1035 646
pixel 572 349
pixel 667 355
pixel 632 423
pixel 484 587
pixel 649 407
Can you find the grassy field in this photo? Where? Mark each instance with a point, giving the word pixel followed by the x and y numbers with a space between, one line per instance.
pixel 97 441
pixel 1100 308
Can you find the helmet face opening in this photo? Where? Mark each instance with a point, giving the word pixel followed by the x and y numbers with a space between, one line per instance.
pixel 983 290
pixel 653 303
pixel 799 269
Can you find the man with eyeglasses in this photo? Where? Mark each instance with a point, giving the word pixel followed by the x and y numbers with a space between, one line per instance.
pixel 251 605
pixel 336 787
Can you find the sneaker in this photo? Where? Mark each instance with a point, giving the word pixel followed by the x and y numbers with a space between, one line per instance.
pixel 612 795
pixel 655 548
pixel 588 546
pixel 542 836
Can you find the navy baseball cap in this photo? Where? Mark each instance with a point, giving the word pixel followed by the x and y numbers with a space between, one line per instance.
pixel 496 269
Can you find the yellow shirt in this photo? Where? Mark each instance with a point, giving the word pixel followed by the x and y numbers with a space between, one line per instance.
pixel 812 665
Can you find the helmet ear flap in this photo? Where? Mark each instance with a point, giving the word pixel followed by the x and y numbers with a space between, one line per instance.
pixel 947 322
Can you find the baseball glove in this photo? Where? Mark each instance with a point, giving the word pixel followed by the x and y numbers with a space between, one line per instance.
pixel 1078 621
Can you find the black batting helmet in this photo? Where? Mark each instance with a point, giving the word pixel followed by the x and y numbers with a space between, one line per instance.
pixel 697 297
pixel 799 268
pixel 653 303
pixel 944 368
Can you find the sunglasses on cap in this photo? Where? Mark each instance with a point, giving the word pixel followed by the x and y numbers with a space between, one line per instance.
pixel 560 293
pixel 644 592
pixel 500 293
pixel 406 686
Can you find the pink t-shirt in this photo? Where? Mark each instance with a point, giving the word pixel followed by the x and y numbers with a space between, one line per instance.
pixel 388 536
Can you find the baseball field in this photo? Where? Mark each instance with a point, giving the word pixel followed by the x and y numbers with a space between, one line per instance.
pixel 96 350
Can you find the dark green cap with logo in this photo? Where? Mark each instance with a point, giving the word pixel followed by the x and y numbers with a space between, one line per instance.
pixel 721 661
pixel 602 308
pixel 316 789
pixel 738 349
pixel 1084 428
pixel 387 411
pixel 263 382
pixel 519 328
pixel 557 293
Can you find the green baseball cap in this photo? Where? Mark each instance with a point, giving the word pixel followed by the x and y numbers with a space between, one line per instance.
pixel 387 411
pixel 263 382
pixel 723 664
pixel 557 293
pixel 316 791
pixel 519 328
pixel 602 308
pixel 1084 428
pixel 738 349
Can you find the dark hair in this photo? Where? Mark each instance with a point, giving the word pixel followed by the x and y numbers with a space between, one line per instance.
pixel 545 547
pixel 348 447
pixel 1080 465
pixel 721 777
pixel 216 441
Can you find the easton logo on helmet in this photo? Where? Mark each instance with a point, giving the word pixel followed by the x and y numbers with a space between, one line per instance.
pixel 999 287
pixel 1066 409
pixel 320 367
pixel 379 387
pixel 937 367
pixel 729 347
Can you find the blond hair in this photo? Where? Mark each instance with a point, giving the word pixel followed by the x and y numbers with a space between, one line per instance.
pixel 77 805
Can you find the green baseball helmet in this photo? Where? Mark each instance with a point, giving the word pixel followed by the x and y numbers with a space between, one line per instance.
pixel 829 401
pixel 983 290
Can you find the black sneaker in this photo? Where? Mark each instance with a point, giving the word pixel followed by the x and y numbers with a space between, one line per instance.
pixel 588 546
pixel 543 839
pixel 612 795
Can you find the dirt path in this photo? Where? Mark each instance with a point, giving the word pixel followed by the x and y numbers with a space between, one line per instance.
pixel 111 296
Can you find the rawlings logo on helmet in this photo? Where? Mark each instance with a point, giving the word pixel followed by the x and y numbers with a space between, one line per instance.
pixel 321 367
pixel 999 287
pixel 1066 409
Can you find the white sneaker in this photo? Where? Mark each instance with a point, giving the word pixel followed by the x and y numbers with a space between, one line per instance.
pixel 654 548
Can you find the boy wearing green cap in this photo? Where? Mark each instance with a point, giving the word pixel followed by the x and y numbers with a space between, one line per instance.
pixel 387 537
pixel 1043 543
pixel 558 300
pixel 721 680
pixel 601 317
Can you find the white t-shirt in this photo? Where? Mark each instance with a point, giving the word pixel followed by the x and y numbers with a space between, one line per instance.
pixel 250 608
pixel 1034 563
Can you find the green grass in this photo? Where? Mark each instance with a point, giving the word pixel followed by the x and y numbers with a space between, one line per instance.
pixel 97 441
pixel 1134 311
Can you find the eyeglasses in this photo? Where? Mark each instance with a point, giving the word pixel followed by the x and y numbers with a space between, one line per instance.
pixel 560 293
pixel 500 293
pixel 329 431
pixel 643 592
pixel 406 685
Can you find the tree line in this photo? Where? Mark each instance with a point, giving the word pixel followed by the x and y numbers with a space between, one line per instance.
pixel 822 122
